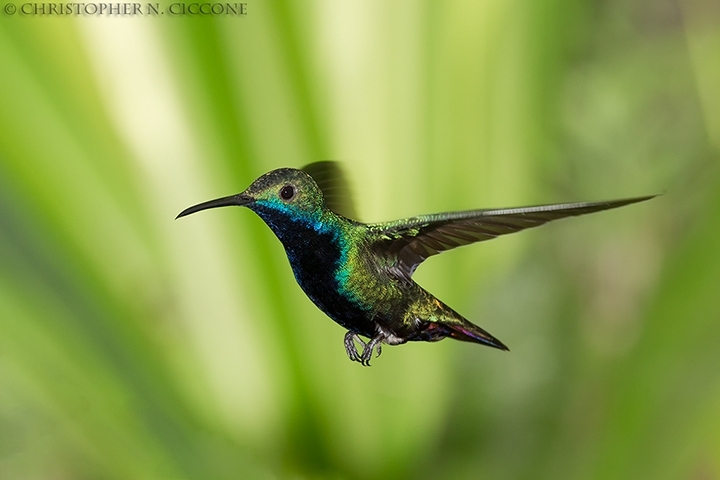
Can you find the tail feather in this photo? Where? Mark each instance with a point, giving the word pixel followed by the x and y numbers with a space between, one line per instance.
pixel 445 322
pixel 469 332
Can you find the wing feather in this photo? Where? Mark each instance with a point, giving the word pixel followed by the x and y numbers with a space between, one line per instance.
pixel 335 188
pixel 415 239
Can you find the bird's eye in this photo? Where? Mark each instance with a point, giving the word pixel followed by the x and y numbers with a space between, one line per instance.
pixel 287 192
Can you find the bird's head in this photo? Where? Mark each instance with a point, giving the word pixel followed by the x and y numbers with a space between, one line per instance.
pixel 283 193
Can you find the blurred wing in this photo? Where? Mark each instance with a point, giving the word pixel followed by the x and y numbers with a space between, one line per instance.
pixel 414 239
pixel 330 178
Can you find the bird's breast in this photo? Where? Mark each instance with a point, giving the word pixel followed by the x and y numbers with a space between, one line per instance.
pixel 320 260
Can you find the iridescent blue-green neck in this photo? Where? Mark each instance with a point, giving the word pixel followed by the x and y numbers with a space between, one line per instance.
pixel 291 224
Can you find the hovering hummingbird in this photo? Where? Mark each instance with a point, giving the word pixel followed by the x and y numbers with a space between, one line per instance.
pixel 360 275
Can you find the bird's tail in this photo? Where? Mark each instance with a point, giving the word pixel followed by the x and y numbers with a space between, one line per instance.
pixel 469 332
pixel 445 322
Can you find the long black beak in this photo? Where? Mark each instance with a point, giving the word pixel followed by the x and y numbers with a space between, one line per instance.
pixel 239 200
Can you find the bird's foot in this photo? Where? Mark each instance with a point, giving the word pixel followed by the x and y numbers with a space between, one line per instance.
pixel 374 344
pixel 367 348
pixel 351 349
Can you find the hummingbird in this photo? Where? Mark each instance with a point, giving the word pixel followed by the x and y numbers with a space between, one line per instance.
pixel 359 274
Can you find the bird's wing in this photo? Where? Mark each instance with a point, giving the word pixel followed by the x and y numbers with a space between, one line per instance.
pixel 332 182
pixel 413 240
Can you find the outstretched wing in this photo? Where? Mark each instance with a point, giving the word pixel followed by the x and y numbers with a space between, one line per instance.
pixel 330 178
pixel 414 239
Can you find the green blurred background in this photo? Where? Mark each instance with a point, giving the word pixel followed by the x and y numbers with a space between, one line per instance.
pixel 134 346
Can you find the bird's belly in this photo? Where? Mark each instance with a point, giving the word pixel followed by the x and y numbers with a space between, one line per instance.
pixel 320 283
pixel 345 311
pixel 382 310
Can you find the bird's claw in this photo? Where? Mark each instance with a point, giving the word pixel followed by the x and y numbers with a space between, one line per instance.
pixel 351 349
pixel 367 348
pixel 373 344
